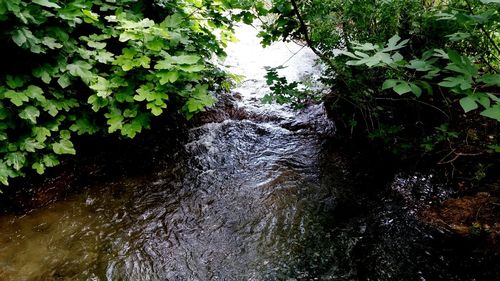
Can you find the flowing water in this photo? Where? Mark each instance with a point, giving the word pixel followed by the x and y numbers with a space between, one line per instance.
pixel 242 200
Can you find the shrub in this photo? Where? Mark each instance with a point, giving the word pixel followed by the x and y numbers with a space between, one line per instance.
pixel 410 72
pixel 73 67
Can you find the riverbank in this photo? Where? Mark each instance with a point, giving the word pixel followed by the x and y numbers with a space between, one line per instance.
pixel 101 159
pixel 471 210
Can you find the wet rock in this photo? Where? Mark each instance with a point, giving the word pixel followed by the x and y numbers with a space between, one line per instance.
pixel 52 190
pixel 313 118
pixel 227 109
pixel 419 191
pixel 441 208
pixel 28 195
pixel 469 216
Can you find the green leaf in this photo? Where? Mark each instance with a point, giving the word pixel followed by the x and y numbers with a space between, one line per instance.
pixel 194 105
pixel 63 147
pixel 51 108
pixel 491 79
pixel 43 74
pixel 3 136
pixel 167 64
pixel 64 81
pixel 4 113
pixel 173 21
pixel 415 90
pixel 90 16
pixel 166 77
pixel 145 92
pixel 365 47
pixel 13 6
pixel 155 45
pixel 104 56
pixel 199 99
pixel 96 45
pixel 468 104
pixel 115 120
pixel 50 160
pixel 492 112
pixel 426 86
pixel 6 173
pixel 495 148
pixel 102 87
pixel 40 133
pixel 455 57
pixel 30 113
pixel 16 160
pixel 393 44
pixel 97 102
pixel 349 54
pixel 440 54
pixel 493 97
pixel 483 99
pixel 156 110
pixel 19 37
pixel 130 130
pixel 31 145
pixel 127 59
pixel 65 134
pixel 35 93
pixel 452 82
pixel 461 64
pixel 144 61
pixel 80 69
pixel 402 88
pixel 84 126
pixel 186 59
pixel 51 43
pixel 389 83
pixel 46 3
pixel 361 54
pixel 38 167
pixel 17 98
pixel 192 68
pixel 398 58
pixel 458 36
pixel 14 81
pixel 129 35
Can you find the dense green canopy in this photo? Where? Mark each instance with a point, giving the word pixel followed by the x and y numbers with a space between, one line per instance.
pixel 72 67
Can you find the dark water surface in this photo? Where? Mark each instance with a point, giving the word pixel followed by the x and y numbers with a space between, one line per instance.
pixel 243 200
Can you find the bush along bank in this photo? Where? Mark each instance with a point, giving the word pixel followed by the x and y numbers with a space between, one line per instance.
pixel 78 67
pixel 417 80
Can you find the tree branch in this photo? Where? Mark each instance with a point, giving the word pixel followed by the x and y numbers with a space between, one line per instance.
pixel 305 32
pixel 481 26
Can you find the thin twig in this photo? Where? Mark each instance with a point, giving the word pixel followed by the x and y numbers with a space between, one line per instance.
pixel 305 32
pixel 293 55
pixel 493 43
pixel 418 101
pixel 458 155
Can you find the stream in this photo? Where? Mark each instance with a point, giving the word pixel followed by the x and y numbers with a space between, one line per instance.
pixel 245 199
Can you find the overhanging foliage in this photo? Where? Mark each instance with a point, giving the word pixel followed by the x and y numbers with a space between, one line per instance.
pixel 73 67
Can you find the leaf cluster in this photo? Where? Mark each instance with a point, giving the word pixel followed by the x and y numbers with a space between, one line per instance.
pixel 404 72
pixel 73 67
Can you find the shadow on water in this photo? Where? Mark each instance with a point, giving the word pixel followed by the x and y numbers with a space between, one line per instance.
pixel 270 198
